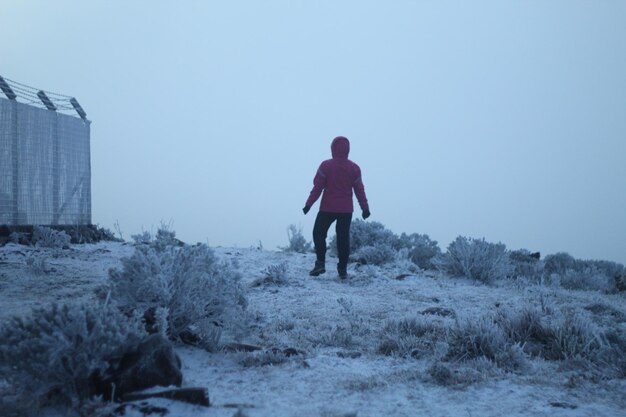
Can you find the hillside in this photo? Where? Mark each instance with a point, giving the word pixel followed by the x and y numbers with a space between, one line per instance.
pixel 380 343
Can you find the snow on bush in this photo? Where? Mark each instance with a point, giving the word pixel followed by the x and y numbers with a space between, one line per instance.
pixel 364 233
pixel 53 354
pixel 46 237
pixel 372 243
pixel 367 235
pixel 475 338
pixel 202 295
pixel 297 242
pixel 476 259
pixel 577 274
pixel 422 250
pixel 352 328
pixel 274 274
pixel 416 337
pixel 37 265
pixel 375 254
pixel 526 265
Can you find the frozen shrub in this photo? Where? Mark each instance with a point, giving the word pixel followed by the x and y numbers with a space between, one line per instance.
pixel 54 354
pixel 576 336
pixel 526 265
pixel 353 328
pixel 422 250
pixel 473 339
pixel 165 238
pixel 201 294
pixel 573 338
pixel 297 242
pixel 46 237
pixel 476 259
pixel 37 265
pixel 80 234
pixel 367 234
pixel 580 274
pixel 143 238
pixel 339 336
pixel 559 263
pixel 375 255
pixel 415 337
pixel 524 326
pixel 273 274
pixel 370 234
pixel 588 278
pixel 620 283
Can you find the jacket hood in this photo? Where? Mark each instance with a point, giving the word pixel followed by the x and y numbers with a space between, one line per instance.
pixel 340 147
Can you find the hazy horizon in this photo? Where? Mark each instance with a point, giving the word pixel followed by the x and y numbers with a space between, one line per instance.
pixel 502 120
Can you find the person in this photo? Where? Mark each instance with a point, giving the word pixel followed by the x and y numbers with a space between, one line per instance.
pixel 336 178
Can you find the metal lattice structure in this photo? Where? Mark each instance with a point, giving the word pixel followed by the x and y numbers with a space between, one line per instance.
pixel 45 166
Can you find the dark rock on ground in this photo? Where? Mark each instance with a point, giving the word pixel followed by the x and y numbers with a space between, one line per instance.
pixel 240 347
pixel 288 352
pixel 144 408
pixel 440 311
pixel 401 277
pixel 198 396
pixel 151 363
pixel 349 354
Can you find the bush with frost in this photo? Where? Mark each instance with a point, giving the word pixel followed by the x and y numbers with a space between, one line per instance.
pixel 526 265
pixel 364 233
pixel 46 237
pixel 476 338
pixel 275 274
pixel 416 337
pixel 375 254
pixel 373 243
pixel 297 242
pixel 422 250
pixel 54 354
pixel 476 259
pixel 578 274
pixel 367 234
pixel 201 294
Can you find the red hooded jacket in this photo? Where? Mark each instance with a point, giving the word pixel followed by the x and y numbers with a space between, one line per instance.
pixel 337 177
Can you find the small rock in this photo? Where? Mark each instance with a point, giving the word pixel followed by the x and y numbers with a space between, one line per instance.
pixel 349 354
pixel 440 311
pixel 562 404
pixel 288 352
pixel 198 396
pixel 240 347
pixel 152 363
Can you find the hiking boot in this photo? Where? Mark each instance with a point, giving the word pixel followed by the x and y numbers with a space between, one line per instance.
pixel 318 269
pixel 342 270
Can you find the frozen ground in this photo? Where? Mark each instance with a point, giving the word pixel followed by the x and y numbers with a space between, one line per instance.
pixel 334 325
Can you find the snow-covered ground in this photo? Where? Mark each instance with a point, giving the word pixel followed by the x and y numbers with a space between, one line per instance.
pixel 334 325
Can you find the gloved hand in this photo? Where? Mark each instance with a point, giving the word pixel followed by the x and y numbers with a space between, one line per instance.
pixel 366 214
pixel 306 209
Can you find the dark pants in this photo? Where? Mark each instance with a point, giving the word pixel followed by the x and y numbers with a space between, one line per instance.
pixel 320 231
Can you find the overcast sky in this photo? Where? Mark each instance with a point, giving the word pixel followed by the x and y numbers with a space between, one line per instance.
pixel 502 120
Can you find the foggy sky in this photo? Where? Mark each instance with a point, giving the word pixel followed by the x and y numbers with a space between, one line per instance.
pixel 502 120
